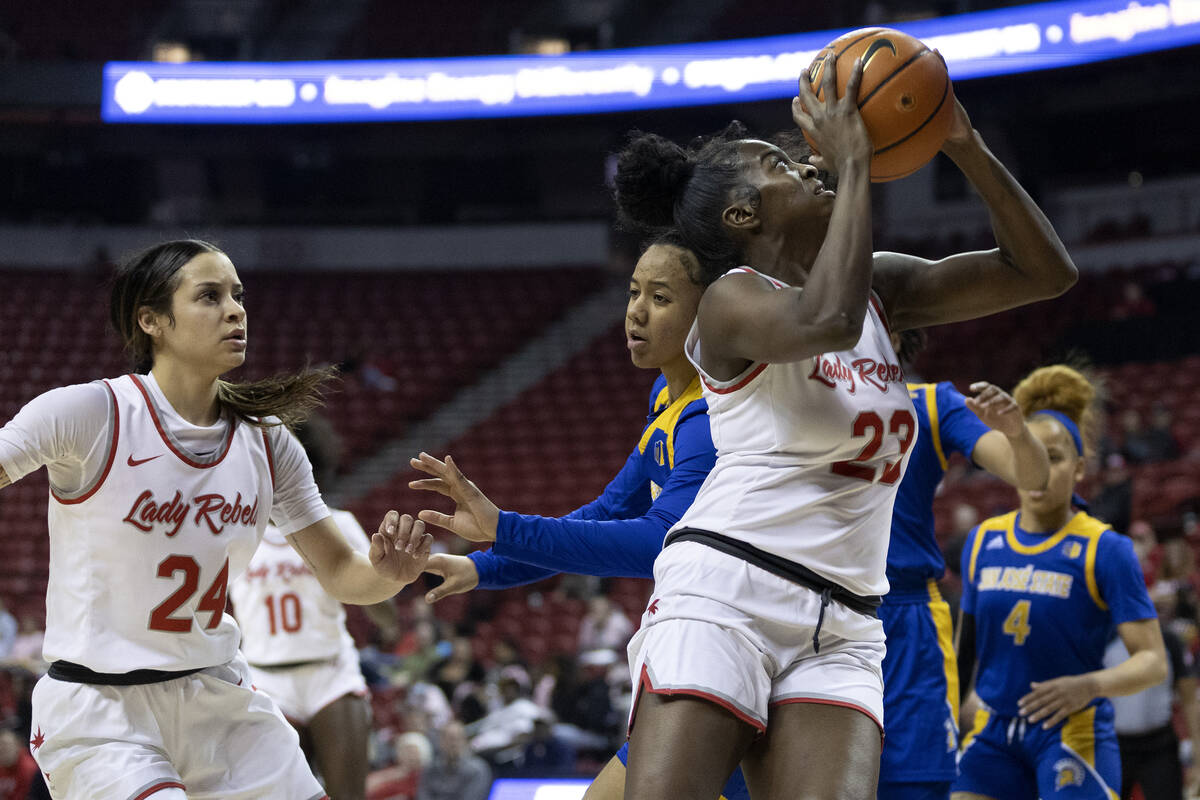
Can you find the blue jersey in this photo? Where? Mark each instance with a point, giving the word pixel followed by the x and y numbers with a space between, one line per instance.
pixel 1045 605
pixel 621 532
pixel 947 426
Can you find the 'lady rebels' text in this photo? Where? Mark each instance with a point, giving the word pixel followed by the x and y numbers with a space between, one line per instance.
pixel 213 509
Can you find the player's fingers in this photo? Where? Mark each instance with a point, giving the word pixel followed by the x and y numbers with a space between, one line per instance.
pixel 436 564
pixel 437 518
pixel 381 548
pixel 424 546
pixel 428 464
pixel 829 81
pixel 431 485
pixel 805 92
pixel 387 525
pixel 445 589
pixel 799 114
pixel 416 534
pixel 853 81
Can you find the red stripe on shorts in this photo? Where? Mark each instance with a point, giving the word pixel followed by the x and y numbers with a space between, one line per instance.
pixel 823 702
pixel 644 683
pixel 158 787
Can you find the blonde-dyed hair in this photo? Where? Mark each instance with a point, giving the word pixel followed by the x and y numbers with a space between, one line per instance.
pixel 1066 390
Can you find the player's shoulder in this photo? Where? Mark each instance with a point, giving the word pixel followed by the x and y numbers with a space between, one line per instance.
pixel 1000 522
pixel 78 399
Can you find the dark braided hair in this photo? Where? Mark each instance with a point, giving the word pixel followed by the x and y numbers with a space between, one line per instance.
pixel 660 184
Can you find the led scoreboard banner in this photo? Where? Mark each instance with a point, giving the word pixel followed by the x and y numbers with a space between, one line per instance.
pixel 980 44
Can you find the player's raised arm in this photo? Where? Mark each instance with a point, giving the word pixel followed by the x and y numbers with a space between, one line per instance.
pixel 1009 450
pixel 1030 262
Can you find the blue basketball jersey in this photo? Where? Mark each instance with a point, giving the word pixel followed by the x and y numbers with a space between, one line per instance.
pixel 947 426
pixel 1045 604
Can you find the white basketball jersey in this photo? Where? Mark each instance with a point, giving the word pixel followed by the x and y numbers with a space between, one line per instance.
pixel 286 615
pixel 809 456
pixel 140 560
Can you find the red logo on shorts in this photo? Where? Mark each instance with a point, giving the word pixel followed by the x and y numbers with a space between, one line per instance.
pixel 653 607
pixel 38 740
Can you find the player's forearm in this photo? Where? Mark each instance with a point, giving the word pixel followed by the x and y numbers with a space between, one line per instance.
pixel 1031 467
pixel 1024 234
pixel 352 579
pixel 1140 671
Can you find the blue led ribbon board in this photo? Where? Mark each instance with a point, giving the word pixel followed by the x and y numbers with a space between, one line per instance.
pixel 976 45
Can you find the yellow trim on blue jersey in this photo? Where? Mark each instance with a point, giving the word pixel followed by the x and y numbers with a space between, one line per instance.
pixel 1091 528
pixel 940 612
pixel 667 420
pixel 931 410
pixel 1046 544
pixel 982 715
pixel 1000 524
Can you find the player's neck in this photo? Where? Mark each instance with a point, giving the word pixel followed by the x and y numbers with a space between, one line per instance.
pixel 194 397
pixel 679 375
pixel 788 256
pixel 1045 521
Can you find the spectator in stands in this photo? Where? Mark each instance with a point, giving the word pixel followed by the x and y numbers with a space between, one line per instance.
pixel 508 725
pixel 1162 443
pixel 604 627
pixel 460 677
pixel 8 631
pixel 1147 550
pixel 545 753
pixel 1114 502
pixel 1133 303
pixel 425 653
pixel 1150 749
pixel 455 772
pixel 401 781
pixel 1145 445
pixel 19 779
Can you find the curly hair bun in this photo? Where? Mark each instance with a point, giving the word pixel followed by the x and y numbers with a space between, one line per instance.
pixel 651 174
pixel 1058 388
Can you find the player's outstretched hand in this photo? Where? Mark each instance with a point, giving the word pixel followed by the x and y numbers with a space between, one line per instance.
pixel 996 408
pixel 474 518
pixel 400 549
pixel 834 125
pixel 458 573
pixel 1050 702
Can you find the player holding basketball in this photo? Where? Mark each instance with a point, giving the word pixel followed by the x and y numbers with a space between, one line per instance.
pixel 621 532
pixel 295 639
pixel 774 572
pixel 1043 589
pixel 920 672
pixel 162 483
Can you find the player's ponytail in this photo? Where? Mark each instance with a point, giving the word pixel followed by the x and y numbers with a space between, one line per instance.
pixel 149 280
pixel 1062 389
pixel 660 184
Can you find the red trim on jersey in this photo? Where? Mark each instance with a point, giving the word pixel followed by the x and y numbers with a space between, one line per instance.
pixel 753 374
pixel 162 432
pixel 112 455
pixel 879 310
pixel 270 457
pixel 645 684
pixel 158 787
pixel 823 702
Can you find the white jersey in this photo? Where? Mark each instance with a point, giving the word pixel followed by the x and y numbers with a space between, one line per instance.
pixel 142 550
pixel 286 615
pixel 809 456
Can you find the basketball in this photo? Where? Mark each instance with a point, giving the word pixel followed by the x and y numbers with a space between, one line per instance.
pixel 906 98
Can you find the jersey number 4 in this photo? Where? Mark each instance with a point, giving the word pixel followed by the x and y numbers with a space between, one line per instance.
pixel 213 600
pixel 868 423
pixel 1016 624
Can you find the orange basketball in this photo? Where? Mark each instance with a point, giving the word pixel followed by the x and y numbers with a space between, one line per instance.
pixel 906 98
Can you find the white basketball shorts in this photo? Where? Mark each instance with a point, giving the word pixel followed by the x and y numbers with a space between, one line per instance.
pixel 209 734
pixel 302 691
pixel 725 630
